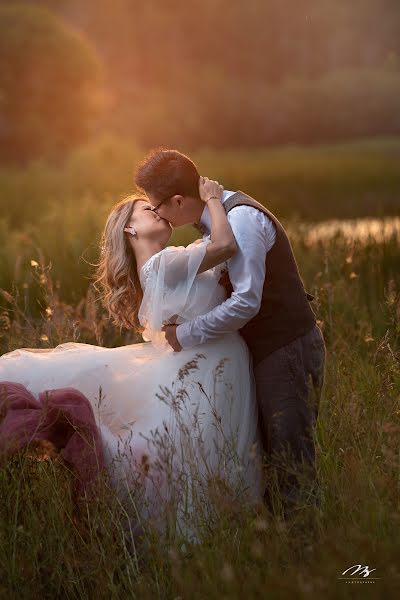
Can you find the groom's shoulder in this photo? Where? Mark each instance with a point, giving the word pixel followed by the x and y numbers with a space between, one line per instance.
pixel 244 215
pixel 242 204
pixel 240 200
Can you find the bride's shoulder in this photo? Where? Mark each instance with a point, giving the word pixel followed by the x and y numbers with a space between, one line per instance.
pixel 153 263
pixel 195 244
pixel 170 256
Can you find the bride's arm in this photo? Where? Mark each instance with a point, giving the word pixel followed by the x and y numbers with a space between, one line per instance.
pixel 223 244
pixel 173 271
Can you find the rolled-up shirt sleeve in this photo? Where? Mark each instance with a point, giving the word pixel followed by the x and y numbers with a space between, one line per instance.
pixel 255 235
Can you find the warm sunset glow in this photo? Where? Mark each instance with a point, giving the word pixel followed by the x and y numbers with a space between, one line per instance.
pixel 360 230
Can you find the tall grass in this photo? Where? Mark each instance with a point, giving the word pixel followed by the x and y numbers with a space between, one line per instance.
pixel 51 548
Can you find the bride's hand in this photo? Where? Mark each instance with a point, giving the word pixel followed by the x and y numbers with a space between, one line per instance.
pixel 210 189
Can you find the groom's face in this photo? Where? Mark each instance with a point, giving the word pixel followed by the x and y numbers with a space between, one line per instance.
pixel 173 209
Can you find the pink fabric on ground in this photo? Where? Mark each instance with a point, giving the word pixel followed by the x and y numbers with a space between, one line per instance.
pixel 64 417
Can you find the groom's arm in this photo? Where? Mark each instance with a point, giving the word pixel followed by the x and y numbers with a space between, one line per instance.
pixel 255 235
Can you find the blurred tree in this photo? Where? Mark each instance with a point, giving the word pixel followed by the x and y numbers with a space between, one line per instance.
pixel 227 72
pixel 49 84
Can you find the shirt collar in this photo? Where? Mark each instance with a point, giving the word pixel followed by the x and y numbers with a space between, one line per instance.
pixel 205 218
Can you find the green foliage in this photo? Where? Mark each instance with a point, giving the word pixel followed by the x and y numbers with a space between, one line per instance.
pixel 58 213
pixel 62 211
pixel 48 77
pixel 338 181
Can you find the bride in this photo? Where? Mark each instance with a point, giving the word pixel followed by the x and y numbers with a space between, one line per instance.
pixel 171 422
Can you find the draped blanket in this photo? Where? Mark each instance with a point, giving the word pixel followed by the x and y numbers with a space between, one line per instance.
pixel 62 416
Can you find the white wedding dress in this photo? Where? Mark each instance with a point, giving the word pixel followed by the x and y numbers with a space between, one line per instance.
pixel 169 420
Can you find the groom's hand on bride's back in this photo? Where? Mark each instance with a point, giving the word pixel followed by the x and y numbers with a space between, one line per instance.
pixel 170 336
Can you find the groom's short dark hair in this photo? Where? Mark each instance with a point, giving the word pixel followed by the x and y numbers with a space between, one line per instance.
pixel 165 172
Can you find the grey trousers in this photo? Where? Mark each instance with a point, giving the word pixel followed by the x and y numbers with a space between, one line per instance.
pixel 289 383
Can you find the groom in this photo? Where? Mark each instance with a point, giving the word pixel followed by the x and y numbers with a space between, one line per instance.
pixel 268 305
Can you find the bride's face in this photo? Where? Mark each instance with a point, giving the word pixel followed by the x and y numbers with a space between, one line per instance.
pixel 148 224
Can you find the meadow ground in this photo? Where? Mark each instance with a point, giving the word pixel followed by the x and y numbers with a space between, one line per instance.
pixel 49 549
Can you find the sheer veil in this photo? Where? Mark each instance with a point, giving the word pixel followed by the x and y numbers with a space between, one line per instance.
pixel 172 292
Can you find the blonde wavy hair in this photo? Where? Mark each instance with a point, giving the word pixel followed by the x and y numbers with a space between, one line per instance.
pixel 116 277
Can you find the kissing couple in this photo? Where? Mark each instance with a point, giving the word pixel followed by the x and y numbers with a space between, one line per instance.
pixel 230 373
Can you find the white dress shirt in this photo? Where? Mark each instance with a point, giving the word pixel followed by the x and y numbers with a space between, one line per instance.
pixel 255 236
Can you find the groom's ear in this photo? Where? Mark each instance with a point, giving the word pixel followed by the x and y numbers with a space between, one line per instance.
pixel 178 200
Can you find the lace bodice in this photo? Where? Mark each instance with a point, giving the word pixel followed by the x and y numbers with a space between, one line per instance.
pixel 147 267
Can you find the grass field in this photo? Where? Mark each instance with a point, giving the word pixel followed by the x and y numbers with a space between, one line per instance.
pixel 50 550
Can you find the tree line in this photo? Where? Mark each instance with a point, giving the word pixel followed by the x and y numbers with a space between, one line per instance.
pixel 200 73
